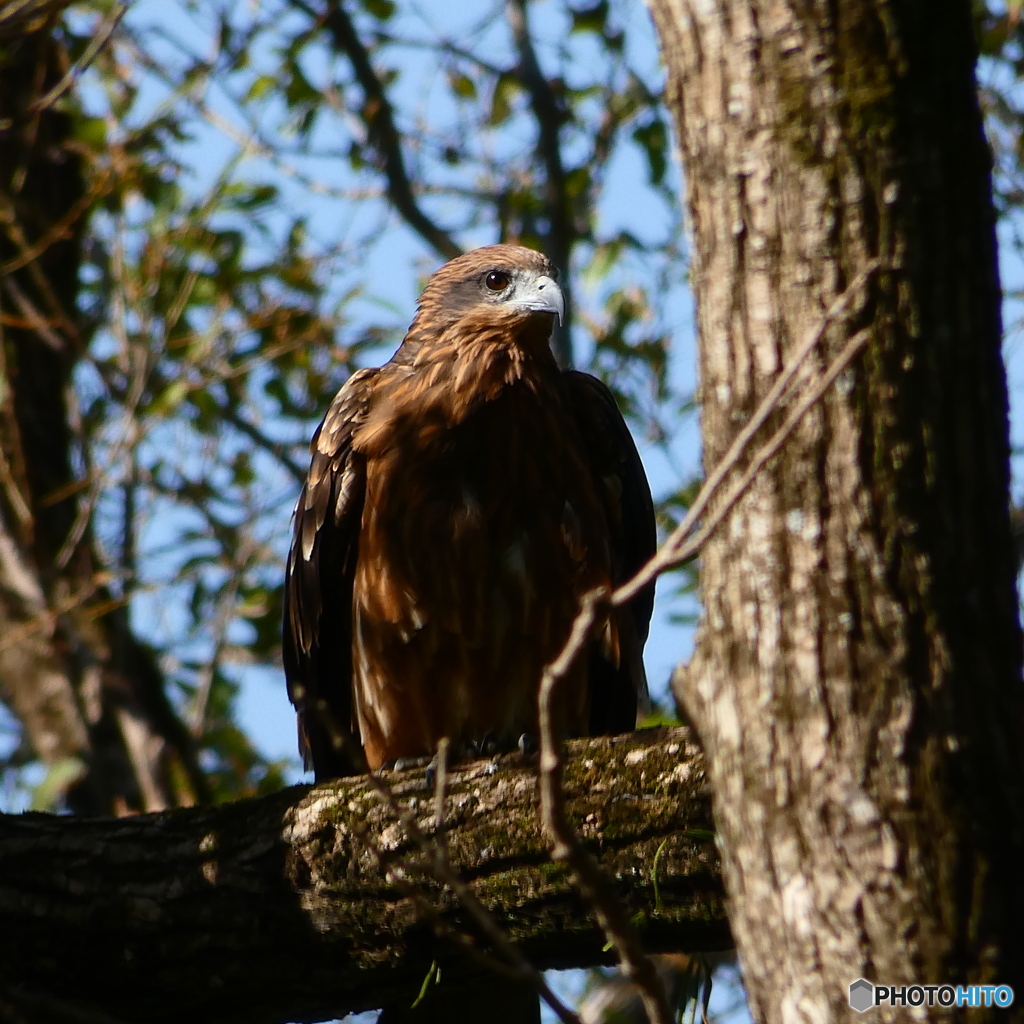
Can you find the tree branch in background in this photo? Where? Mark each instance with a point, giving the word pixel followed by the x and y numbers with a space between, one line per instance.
pixel 18 16
pixel 275 909
pixel 550 117
pixel 99 40
pixel 84 686
pixel 382 135
pixel 278 449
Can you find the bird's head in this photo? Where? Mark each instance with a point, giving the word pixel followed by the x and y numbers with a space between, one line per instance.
pixel 505 287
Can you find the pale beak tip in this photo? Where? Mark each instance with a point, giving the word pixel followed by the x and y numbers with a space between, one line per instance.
pixel 556 298
pixel 543 295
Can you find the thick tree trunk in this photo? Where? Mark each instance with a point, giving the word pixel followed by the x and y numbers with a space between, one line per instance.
pixel 857 681
pixel 276 909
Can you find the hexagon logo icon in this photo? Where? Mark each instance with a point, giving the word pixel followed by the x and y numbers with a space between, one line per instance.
pixel 862 995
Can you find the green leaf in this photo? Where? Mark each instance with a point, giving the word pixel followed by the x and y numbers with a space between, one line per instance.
pixel 590 19
pixel 92 131
pixel 433 976
pixel 577 181
pixel 261 87
pixel 382 10
pixel 700 835
pixel 506 89
pixel 59 778
pixel 653 137
pixel 170 398
pixel 462 85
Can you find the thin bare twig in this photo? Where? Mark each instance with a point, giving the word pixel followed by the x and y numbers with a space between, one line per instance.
pixel 687 549
pixel 663 558
pixel 104 32
pixel 8 472
pixel 32 315
pixel 46 621
pixel 222 621
pixel 441 787
pixel 566 846
pixel 58 494
pixel 251 136
pixel 13 491
pixel 59 228
pixel 130 429
pixel 276 448
pixel 58 316
pixel 180 301
pixel 442 871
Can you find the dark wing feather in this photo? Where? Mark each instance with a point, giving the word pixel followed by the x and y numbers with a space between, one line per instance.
pixel 318 586
pixel 616 691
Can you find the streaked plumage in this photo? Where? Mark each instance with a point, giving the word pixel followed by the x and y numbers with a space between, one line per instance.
pixel 459 501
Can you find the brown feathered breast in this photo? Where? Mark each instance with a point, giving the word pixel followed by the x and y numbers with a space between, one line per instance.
pixel 460 500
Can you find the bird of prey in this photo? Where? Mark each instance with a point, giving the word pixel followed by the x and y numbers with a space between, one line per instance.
pixel 460 500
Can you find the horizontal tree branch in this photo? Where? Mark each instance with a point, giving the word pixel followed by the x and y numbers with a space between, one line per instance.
pixel 277 909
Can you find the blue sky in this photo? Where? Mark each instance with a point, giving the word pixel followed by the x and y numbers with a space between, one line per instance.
pixel 397 261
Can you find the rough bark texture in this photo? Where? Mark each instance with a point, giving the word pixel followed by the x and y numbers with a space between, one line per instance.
pixel 276 909
pixel 857 682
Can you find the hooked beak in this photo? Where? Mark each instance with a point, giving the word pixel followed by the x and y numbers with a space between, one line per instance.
pixel 542 295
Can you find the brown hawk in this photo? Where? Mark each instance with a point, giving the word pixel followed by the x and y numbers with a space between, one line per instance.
pixel 460 500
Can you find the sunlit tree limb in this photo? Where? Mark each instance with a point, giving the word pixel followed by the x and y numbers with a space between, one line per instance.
pixel 275 909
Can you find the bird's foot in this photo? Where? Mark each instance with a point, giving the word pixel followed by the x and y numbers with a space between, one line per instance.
pixel 403 764
pixel 430 775
pixel 528 744
pixel 488 745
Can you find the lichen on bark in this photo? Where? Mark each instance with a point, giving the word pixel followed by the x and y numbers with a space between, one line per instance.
pixel 857 675
pixel 277 908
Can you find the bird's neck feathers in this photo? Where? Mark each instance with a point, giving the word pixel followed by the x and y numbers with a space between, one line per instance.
pixel 437 380
pixel 477 357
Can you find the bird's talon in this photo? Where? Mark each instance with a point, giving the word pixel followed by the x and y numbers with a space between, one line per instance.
pixel 403 764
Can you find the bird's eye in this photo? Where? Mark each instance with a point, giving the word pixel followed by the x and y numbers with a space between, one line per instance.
pixel 496 281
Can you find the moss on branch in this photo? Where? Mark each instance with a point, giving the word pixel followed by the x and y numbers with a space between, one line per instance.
pixel 278 909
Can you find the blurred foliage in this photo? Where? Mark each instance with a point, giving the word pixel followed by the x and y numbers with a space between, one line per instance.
pixel 248 244
pixel 268 185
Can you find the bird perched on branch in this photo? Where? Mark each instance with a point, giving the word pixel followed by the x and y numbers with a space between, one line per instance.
pixel 460 500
